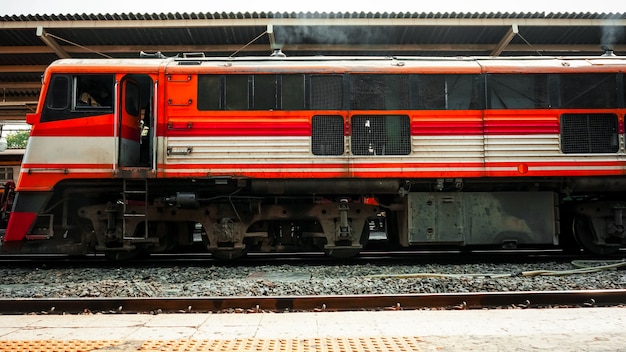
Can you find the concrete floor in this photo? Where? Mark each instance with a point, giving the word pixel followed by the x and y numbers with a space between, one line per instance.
pixel 571 329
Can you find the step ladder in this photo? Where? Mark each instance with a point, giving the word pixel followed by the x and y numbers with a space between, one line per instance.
pixel 135 190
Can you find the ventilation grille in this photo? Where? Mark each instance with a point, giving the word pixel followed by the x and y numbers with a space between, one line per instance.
pixel 381 135
pixel 327 135
pixel 589 133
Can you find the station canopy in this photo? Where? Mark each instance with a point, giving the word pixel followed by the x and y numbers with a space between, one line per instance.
pixel 31 42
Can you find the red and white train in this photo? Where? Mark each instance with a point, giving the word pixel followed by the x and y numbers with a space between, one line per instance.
pixel 281 153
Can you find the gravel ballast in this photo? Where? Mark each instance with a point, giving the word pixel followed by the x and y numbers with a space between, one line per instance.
pixel 295 280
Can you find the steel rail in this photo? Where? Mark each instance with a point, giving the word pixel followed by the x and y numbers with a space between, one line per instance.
pixel 519 299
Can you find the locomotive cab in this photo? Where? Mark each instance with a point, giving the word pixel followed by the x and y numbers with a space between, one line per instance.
pixel 89 127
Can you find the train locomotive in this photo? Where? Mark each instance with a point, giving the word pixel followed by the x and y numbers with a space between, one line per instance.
pixel 270 154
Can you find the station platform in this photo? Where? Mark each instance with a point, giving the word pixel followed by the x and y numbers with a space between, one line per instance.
pixel 564 329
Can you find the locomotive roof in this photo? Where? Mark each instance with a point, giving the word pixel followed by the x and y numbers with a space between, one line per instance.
pixel 348 63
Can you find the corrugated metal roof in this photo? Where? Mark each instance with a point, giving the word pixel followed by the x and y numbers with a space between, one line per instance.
pixel 307 15
pixel 297 33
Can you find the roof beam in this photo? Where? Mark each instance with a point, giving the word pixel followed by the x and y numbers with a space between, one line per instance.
pixel 510 34
pixel 22 68
pixel 135 49
pixel 20 85
pixel 52 43
pixel 18 104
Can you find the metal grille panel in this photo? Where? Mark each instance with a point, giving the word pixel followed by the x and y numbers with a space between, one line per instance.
pixel 589 133
pixel 327 135
pixel 379 92
pixel 326 92
pixel 381 135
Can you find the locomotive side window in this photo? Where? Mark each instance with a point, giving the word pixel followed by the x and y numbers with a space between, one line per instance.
pixel 326 92
pixel 292 92
pixel 264 92
pixel 267 92
pixel 75 96
pixel 327 135
pixel 236 92
pixel 379 92
pixel 588 91
pixel 517 91
pixel 447 92
pixel 381 135
pixel 209 92
pixel 589 133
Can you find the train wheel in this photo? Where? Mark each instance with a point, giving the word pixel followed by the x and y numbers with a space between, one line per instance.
pixel 584 234
pixel 567 240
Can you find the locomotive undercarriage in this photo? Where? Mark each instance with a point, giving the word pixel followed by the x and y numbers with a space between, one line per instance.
pixel 229 228
pixel 598 225
pixel 230 218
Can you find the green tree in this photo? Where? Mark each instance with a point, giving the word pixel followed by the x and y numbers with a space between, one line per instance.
pixel 17 140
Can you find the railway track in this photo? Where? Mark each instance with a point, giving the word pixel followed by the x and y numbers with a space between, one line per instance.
pixel 415 256
pixel 481 300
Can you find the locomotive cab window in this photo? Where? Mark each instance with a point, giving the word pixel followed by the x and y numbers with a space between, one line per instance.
pixel 75 96
pixel 58 97
pixel 93 91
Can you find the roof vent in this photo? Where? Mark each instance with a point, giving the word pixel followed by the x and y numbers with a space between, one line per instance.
pixel 607 51
pixel 157 55
pixel 278 53
pixel 192 55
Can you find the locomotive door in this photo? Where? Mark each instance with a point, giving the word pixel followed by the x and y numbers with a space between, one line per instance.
pixel 136 118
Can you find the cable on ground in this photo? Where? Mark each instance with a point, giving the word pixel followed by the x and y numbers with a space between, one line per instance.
pixel 582 267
